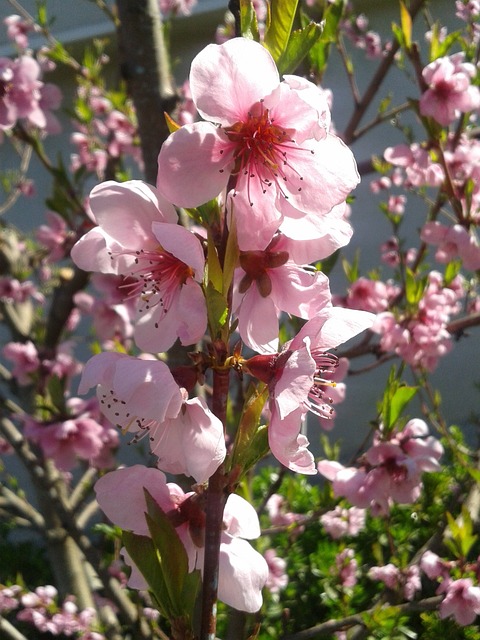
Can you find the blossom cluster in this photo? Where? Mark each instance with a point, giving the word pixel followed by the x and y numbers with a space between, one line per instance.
pixel 391 469
pixel 267 153
pixel 40 609
pixel 24 97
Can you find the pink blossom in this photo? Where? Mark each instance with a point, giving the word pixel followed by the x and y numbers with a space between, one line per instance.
pixel 183 7
pixel 388 574
pixel 419 166
pixel 18 30
pixel 267 142
pixel 434 567
pixel 11 290
pixel 408 579
pixel 396 205
pixel 141 396
pixel 334 391
pixel 423 338
pixel 391 470
pixel 295 376
pixel 267 283
pixel 462 601
pixel 122 132
pixel 26 361
pixel 412 583
pixel 467 10
pixel 277 511
pixel 308 238
pixel 390 252
pixel 277 576
pixel 347 568
pixel 24 96
pixel 138 238
pixel 53 235
pixel 19 90
pixel 192 443
pixel 450 91
pixel 370 295
pixel 110 322
pixel 43 596
pixel 9 598
pixel 343 522
pixel 78 436
pixel 132 392
pixel 243 571
pixel 51 98
pixel 452 242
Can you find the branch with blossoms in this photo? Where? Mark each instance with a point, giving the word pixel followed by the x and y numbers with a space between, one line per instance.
pixel 215 334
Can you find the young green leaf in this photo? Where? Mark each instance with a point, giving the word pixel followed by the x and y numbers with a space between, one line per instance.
pixel 279 28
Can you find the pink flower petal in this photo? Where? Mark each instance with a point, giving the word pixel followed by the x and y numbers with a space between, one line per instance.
pixel 226 80
pixel 194 164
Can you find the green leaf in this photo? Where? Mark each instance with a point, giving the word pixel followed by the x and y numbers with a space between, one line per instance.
pixel 217 310
pixel 191 588
pixel 248 21
pixel 214 270
pixel 143 553
pixel 56 392
pixel 352 271
pixel 171 553
pixel 231 257
pixel 299 45
pixel 406 22
pixel 413 288
pixel 396 397
pixel 279 27
pixel 398 402
pixel 440 44
pixel 330 20
pixel 398 33
pixel 251 440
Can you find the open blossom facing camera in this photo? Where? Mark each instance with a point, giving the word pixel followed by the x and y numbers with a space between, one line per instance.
pixel 267 142
pixel 138 237
pixel 450 91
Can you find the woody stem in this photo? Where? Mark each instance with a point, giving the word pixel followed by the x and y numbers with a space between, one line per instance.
pixel 216 499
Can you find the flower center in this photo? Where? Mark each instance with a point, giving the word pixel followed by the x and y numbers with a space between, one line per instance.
pixel 256 265
pixel 318 401
pixel 261 149
pixel 157 276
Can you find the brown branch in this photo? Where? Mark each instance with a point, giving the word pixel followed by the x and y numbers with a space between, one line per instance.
pixel 22 507
pixel 145 66
pixel 69 526
pixel 350 133
pixel 9 632
pixel 327 628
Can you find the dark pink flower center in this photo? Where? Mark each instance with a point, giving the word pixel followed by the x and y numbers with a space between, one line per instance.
pixel 319 402
pixel 157 277
pixel 261 148
pixel 256 265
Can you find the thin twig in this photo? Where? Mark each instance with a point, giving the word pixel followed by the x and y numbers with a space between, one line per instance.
pixel 9 632
pixel 23 508
pixel 350 133
pixel 327 628
pixel 82 489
